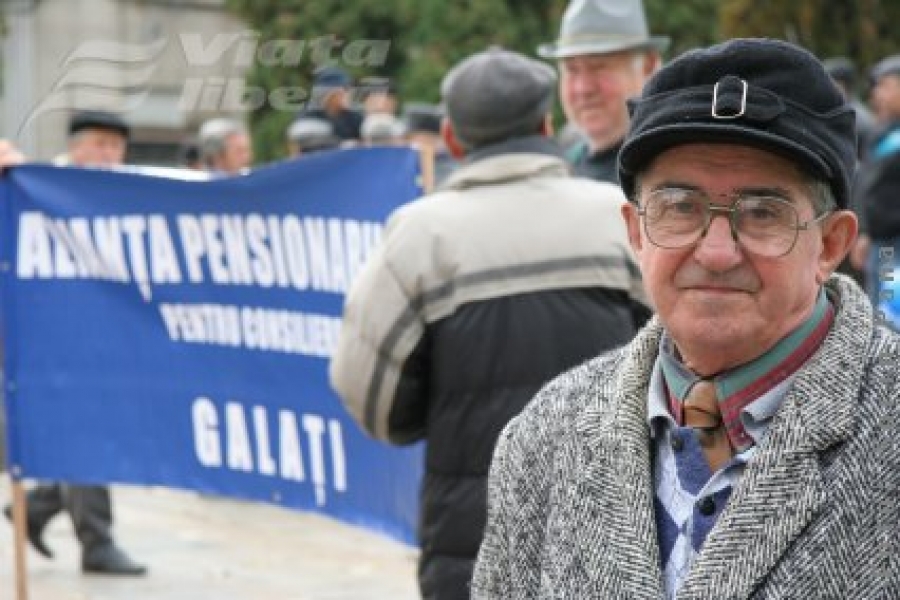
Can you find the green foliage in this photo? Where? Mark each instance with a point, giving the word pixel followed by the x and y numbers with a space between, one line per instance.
pixel 426 37
pixel 863 30
pixel 689 23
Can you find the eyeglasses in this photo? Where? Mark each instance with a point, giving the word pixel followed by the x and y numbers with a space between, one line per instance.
pixel 763 225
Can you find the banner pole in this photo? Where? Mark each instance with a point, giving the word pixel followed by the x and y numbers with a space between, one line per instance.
pixel 20 532
pixel 426 159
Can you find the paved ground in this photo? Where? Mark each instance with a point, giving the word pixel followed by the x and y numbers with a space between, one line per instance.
pixel 200 548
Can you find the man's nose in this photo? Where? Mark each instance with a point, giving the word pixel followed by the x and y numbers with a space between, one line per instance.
pixel 718 250
pixel 583 83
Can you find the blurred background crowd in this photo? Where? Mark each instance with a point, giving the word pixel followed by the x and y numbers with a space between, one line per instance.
pixel 225 85
pixel 202 59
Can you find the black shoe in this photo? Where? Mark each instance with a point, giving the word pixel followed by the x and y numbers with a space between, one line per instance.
pixel 35 534
pixel 109 559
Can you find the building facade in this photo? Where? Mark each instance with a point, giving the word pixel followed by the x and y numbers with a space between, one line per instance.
pixel 164 65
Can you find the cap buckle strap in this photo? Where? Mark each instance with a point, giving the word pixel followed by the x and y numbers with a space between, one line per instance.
pixel 716 114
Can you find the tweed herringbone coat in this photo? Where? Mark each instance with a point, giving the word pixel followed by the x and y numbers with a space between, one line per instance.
pixel 816 514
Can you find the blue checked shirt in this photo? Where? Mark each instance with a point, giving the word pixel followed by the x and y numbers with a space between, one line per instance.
pixel 689 498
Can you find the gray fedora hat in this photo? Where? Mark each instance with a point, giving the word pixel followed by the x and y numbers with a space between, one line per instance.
pixel 601 27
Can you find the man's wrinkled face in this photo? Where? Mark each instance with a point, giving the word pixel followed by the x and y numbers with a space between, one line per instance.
pixel 594 88
pixel 723 305
pixel 380 102
pixel 96 147
pixel 238 153
pixel 336 100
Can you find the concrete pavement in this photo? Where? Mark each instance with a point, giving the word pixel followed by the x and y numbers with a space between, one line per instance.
pixel 200 548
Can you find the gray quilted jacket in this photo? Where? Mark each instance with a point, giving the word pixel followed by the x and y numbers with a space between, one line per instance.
pixel 816 514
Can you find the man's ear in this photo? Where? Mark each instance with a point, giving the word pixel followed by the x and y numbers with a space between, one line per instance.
pixel 633 224
pixel 449 136
pixel 546 129
pixel 652 63
pixel 838 236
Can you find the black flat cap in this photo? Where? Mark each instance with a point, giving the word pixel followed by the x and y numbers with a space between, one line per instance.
pixel 419 116
pixel 98 119
pixel 757 92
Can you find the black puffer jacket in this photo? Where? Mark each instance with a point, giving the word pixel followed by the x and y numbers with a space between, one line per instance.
pixel 478 295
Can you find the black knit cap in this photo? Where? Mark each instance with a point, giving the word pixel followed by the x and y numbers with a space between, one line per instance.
pixel 757 92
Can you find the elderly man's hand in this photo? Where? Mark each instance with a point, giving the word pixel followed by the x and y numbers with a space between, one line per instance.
pixel 9 155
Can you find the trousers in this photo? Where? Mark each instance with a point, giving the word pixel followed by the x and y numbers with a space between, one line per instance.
pixel 89 506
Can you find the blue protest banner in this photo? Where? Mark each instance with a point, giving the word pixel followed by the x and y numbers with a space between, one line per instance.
pixel 177 333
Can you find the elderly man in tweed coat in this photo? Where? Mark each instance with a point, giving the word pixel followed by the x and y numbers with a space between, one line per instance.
pixel 746 444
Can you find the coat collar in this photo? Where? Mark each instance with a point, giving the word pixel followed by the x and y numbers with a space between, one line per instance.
pixel 530 144
pixel 781 490
pixel 534 157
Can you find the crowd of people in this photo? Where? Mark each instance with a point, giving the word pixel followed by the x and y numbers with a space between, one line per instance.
pixel 339 115
pixel 715 454
pixel 621 395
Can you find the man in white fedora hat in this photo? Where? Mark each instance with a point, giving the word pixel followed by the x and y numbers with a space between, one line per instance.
pixel 605 55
